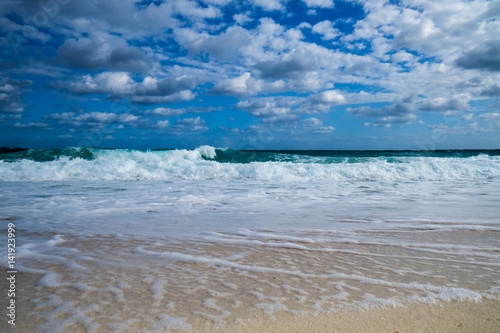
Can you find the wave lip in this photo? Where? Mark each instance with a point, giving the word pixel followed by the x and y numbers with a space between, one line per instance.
pixel 208 163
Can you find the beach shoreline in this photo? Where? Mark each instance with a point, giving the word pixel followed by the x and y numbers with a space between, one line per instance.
pixel 251 285
pixel 454 316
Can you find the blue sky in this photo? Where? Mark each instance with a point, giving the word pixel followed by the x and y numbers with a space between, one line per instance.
pixel 261 74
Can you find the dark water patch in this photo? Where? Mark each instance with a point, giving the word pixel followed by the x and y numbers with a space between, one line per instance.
pixel 45 155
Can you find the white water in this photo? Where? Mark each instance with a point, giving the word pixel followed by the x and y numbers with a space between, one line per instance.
pixel 336 235
pixel 193 165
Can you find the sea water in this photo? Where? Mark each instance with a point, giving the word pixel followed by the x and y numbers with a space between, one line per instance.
pixel 117 240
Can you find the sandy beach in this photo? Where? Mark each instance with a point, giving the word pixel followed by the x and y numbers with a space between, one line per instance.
pixel 453 316
pixel 441 317
pixel 250 285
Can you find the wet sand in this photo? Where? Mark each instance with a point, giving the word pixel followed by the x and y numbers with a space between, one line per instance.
pixel 107 284
pixel 443 317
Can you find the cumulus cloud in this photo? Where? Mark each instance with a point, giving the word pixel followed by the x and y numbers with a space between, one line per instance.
pixel 323 129
pixel 104 83
pixel 10 96
pixel 120 85
pixel 266 107
pixel 287 66
pixel 326 29
pixel 322 102
pixel 227 46
pixel 181 96
pixel 329 97
pixel 490 116
pixel 191 124
pixel 458 102
pixel 241 19
pixel 35 125
pixel 241 85
pixel 111 53
pixel 162 123
pixel 270 5
pixel 485 57
pixel 171 112
pixel 10 27
pixel 319 3
pixel 91 119
pixel 400 119
pixel 426 27
pixel 311 122
pixel 403 56
pixel 167 112
pixel 161 52
pixel 468 116
pixel 314 125
pixel 491 91
pixel 397 113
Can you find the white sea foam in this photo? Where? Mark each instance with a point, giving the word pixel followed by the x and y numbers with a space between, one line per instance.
pixel 168 323
pixel 197 164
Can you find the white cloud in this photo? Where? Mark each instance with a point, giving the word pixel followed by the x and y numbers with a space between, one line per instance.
pixel 103 83
pixel 490 116
pixel 191 124
pixel 310 122
pixel 458 102
pixel 227 46
pixel 319 3
pixel 468 116
pixel 446 51
pixel 268 27
pixel 288 65
pixel 168 112
pixel 93 119
pixel 330 97
pixel 323 129
pixel 270 5
pixel 107 52
pixel 451 113
pixel 32 125
pixel 266 107
pixel 485 57
pixel 10 96
pixel 181 96
pixel 403 56
pixel 120 85
pixel 326 29
pixel 313 125
pixel 281 105
pixel 241 85
pixel 398 113
pixel 241 19
pixel 190 9
pixel 106 118
pixel 162 123
pixel 218 2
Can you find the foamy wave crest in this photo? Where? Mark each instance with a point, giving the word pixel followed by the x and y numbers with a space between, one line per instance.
pixel 203 163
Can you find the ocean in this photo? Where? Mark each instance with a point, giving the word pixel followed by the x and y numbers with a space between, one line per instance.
pixel 166 240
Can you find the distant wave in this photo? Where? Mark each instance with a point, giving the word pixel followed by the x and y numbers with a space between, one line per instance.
pixel 218 163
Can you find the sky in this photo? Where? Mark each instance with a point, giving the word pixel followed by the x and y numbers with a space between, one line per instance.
pixel 250 74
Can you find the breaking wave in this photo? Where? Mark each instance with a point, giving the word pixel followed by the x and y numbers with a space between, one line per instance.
pixel 217 163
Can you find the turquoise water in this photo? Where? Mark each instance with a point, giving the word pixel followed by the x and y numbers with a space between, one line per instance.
pixel 247 156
